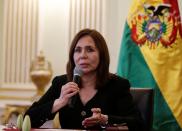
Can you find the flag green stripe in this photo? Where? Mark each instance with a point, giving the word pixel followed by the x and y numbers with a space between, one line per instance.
pixel 131 65
pixel 138 71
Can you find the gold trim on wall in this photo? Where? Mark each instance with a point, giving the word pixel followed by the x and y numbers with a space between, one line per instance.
pixel 17 89
pixel 15 98
pixel 8 97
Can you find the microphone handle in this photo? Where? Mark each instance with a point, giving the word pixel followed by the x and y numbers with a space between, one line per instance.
pixel 72 101
pixel 76 79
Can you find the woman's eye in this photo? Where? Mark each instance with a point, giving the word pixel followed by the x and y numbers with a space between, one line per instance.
pixel 90 49
pixel 77 50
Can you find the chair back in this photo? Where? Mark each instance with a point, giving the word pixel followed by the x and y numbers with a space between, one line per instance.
pixel 144 100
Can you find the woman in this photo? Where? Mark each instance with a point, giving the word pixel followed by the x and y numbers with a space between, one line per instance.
pixel 100 99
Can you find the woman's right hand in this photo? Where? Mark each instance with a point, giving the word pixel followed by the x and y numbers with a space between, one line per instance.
pixel 67 91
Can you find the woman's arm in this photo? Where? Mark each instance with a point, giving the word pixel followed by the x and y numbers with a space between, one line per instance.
pixel 41 110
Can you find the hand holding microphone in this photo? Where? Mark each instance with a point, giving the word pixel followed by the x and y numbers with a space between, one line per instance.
pixel 68 91
pixel 71 88
pixel 77 73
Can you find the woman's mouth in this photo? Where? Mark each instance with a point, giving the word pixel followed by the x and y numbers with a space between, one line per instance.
pixel 84 65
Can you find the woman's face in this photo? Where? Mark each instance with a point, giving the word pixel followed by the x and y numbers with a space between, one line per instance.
pixel 86 55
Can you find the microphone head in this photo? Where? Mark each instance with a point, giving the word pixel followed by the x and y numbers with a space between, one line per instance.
pixel 78 71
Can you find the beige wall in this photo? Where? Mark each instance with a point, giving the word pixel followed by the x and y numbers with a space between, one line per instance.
pixel 53 32
pixel 116 16
pixel 1 29
pixel 180 7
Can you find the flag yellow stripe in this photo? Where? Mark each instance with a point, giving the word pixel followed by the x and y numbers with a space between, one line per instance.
pixel 164 63
pixel 166 67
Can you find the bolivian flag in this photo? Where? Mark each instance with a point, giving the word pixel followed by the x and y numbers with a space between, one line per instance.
pixel 151 56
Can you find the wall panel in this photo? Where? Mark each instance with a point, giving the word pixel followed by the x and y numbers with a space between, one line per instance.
pixel 86 14
pixel 20 33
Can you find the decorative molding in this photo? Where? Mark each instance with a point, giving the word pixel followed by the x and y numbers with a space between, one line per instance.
pixel 20 34
pixel 18 89
pixel 86 14
pixel 18 86
pixel 15 98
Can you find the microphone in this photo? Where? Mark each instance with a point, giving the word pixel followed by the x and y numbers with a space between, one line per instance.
pixel 77 73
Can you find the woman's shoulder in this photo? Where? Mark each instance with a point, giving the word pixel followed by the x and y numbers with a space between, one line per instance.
pixel 60 79
pixel 117 78
pixel 116 81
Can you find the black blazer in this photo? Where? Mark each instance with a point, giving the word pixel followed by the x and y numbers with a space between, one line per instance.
pixel 114 99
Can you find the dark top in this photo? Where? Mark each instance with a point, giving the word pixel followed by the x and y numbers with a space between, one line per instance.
pixel 114 99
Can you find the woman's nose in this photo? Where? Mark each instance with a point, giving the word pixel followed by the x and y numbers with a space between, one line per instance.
pixel 83 54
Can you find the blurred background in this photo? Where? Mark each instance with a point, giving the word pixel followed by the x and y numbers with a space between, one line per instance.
pixel 30 29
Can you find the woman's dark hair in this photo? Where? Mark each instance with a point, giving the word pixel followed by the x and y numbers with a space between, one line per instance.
pixel 100 43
